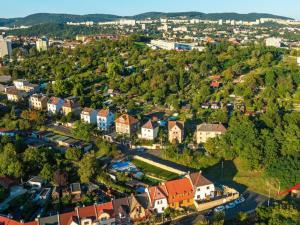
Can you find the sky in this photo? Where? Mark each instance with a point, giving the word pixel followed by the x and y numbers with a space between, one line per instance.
pixel 20 8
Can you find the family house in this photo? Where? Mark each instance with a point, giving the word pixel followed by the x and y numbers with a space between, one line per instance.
pixel 54 105
pixel 150 130
pixel 206 131
pixel 204 189
pixel 89 115
pixel 121 210
pixel 176 131
pixel 139 205
pixel 24 85
pixel 105 119
pixel 126 124
pixel 14 95
pixel 180 193
pixel 158 197
pixel 38 102
pixel 70 106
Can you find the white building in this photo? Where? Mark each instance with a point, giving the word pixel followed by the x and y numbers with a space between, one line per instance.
pixel 158 197
pixel 203 188
pixel 298 60
pixel 42 44
pixel 54 105
pixel 125 22
pixel 206 131
pixel 149 131
pixel 5 47
pixel 105 119
pixel 89 115
pixel 274 42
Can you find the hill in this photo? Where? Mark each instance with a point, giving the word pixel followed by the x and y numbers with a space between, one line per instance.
pixel 43 18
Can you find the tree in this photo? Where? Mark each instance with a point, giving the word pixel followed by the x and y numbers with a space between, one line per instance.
pixel 47 172
pixel 82 130
pixel 10 164
pixel 87 167
pixel 73 154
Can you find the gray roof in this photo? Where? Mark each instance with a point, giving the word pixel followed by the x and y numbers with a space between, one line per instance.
pixel 50 220
pixel 211 127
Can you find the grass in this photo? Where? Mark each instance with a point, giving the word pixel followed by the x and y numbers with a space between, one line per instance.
pixel 154 171
pixel 237 175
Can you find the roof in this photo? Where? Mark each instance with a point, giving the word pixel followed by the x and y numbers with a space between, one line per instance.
pixel 215 84
pixel 179 190
pixel 37 179
pixel 211 127
pixel 179 124
pixel 70 104
pixel 103 112
pixel 158 192
pixel 143 200
pixel 198 179
pixel 7 182
pixel 75 187
pixel 150 125
pixel 87 110
pixel 127 120
pixel 40 97
pixel 54 100
pixel 121 205
pixel 67 218
pixel 12 91
pixel 7 221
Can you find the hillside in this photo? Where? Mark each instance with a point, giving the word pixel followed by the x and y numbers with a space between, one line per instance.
pixel 43 18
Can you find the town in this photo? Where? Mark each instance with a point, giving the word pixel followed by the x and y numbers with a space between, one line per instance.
pixel 150 120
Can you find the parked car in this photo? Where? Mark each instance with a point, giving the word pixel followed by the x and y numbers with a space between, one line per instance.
pixel 239 200
pixel 220 208
pixel 230 205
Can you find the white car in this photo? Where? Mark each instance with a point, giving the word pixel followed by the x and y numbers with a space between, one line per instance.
pixel 230 205
pixel 220 208
pixel 239 200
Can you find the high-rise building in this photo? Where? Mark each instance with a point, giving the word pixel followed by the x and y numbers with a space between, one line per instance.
pixel 5 47
pixel 42 44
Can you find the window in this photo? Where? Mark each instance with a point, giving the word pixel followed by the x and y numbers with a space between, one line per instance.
pixel 207 188
pixel 198 189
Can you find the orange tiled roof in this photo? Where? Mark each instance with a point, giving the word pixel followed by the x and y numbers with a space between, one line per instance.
pixel 150 125
pixel 127 120
pixel 172 124
pixel 179 190
pixel 199 180
pixel 103 112
pixel 7 221
pixel 54 100
pixel 158 192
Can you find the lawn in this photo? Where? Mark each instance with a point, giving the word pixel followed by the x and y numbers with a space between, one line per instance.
pixel 236 174
pixel 154 171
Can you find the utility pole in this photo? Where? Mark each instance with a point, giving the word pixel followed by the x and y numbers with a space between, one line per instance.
pixel 269 197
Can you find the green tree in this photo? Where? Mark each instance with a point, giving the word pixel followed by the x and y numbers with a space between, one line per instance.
pixel 87 167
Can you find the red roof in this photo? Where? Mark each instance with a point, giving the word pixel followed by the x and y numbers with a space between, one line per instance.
pixel 215 84
pixel 158 192
pixel 127 120
pixel 179 190
pixel 66 218
pixel 103 112
pixel 7 221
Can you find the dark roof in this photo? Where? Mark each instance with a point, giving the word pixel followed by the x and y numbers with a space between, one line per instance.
pixel 121 205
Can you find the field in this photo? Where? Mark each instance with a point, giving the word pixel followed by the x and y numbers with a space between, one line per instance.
pixel 154 171
pixel 237 175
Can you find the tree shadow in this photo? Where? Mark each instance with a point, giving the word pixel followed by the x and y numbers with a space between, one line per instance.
pixel 224 173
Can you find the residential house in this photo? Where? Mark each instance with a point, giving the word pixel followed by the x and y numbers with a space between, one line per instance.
pixel 158 197
pixel 70 106
pixel 176 131
pixel 206 131
pixel 138 207
pixel 121 210
pixel 54 105
pixel 126 124
pixel 14 95
pixel 105 119
pixel 38 102
pixel 150 130
pixel 89 115
pixel 204 189
pixel 180 193
pixel 24 85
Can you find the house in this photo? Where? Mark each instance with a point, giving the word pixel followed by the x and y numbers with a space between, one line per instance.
pixel 38 102
pixel 180 193
pixel 70 106
pixel 89 115
pixel 14 95
pixel 206 131
pixel 176 131
pixel 24 85
pixel 138 207
pixel 126 124
pixel 54 105
pixel 215 84
pixel 37 182
pixel 203 188
pixel 150 130
pixel 121 210
pixel 158 197
pixel 105 119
